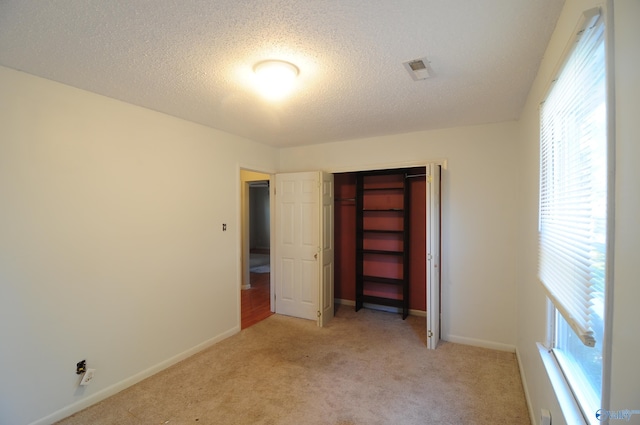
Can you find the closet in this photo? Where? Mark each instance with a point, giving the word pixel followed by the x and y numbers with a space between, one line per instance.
pixel 381 239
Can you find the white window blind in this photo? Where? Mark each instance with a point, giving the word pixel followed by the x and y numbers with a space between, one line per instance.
pixel 573 175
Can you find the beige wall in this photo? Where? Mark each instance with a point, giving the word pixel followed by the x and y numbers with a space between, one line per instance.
pixel 625 383
pixel 531 299
pixel 479 219
pixel 111 247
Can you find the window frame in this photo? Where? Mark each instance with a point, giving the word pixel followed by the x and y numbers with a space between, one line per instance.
pixel 572 410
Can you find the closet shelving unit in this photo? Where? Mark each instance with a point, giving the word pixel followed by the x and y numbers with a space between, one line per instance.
pixel 382 239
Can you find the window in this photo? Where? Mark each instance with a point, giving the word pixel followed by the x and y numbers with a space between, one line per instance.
pixel 573 212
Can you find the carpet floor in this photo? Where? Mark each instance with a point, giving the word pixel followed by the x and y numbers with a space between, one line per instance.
pixel 368 367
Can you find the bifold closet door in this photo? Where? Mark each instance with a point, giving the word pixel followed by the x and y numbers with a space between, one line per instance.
pixel 304 256
pixel 433 255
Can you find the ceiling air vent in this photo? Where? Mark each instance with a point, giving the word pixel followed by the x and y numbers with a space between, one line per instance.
pixel 419 69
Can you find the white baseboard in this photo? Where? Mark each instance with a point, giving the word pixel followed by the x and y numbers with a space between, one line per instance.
pixel 479 343
pixel 419 313
pixel 126 383
pixel 525 387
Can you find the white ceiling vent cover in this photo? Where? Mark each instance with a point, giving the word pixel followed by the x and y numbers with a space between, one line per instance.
pixel 419 69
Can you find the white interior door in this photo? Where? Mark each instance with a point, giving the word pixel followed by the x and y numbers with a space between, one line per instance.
pixel 297 279
pixel 433 255
pixel 327 250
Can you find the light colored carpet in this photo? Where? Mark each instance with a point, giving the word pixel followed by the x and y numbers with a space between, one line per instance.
pixel 260 269
pixel 368 367
pixel 259 263
pixel 257 259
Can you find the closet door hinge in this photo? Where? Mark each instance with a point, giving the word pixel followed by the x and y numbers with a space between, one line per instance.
pixel 319 314
pixel 430 178
pixel 429 334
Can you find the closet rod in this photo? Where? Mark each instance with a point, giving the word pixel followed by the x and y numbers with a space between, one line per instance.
pixel 346 199
pixel 409 176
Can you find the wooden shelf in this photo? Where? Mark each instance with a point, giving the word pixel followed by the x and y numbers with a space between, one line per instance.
pixel 382 230
pixel 391 302
pixel 382 252
pixel 384 280
pixel 367 189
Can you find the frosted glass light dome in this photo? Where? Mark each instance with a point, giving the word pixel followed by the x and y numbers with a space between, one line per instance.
pixel 275 79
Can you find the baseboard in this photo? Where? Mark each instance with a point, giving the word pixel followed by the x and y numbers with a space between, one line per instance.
pixel 126 383
pixel 480 343
pixel 525 387
pixel 344 302
pixel 419 313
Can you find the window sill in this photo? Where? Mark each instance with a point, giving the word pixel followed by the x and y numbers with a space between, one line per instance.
pixel 570 409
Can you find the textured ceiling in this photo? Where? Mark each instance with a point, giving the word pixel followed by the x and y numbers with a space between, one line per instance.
pixel 193 59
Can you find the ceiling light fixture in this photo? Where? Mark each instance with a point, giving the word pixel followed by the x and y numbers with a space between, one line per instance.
pixel 275 79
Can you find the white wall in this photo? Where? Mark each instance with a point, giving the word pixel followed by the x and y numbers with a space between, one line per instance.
pixel 531 299
pixel 479 220
pixel 625 392
pixel 111 248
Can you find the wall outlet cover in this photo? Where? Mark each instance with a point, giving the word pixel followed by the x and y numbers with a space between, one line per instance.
pixel 545 417
pixel 87 377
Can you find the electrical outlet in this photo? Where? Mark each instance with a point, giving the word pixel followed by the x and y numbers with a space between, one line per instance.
pixel 545 417
pixel 88 376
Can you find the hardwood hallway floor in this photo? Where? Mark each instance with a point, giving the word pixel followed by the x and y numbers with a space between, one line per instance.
pixel 255 300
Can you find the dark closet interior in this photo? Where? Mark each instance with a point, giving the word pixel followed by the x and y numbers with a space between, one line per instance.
pixel 349 243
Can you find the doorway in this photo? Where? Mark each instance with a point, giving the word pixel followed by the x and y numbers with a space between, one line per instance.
pixel 270 254
pixel 256 249
pixel 425 238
